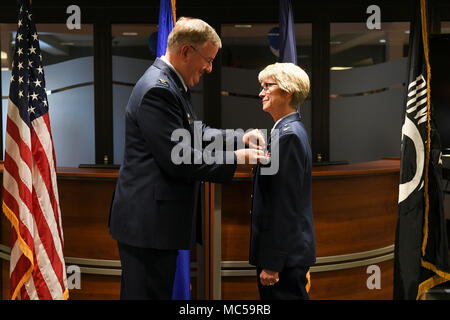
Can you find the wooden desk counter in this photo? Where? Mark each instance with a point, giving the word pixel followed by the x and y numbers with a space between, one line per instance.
pixel 363 168
pixel 355 210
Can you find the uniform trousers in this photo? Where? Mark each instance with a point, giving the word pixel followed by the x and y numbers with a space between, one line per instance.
pixel 147 274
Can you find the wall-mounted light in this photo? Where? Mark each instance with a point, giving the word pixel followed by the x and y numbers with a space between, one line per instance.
pixel 4 55
pixel 129 34
pixel 382 40
pixel 340 68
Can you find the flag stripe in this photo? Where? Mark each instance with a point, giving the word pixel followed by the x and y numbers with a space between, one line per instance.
pixel 14 203
pixel 20 275
pixel 42 181
pixel 29 291
pixel 23 190
pixel 45 269
pixel 51 153
pixel 15 129
pixel 51 245
pixel 53 176
pixel 36 286
pixel 14 153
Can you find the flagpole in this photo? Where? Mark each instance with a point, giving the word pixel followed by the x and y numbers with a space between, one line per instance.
pixel 174 14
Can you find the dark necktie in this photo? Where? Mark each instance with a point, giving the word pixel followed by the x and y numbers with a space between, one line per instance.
pixel 269 141
pixel 188 95
pixel 190 109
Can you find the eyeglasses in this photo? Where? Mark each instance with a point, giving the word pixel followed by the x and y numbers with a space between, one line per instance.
pixel 266 85
pixel 208 61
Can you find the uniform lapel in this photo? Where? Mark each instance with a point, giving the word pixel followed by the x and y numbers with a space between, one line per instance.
pixel 175 83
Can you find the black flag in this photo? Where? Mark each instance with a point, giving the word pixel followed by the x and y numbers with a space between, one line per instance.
pixel 421 248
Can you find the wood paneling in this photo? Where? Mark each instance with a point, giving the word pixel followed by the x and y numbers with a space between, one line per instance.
pixel 85 211
pixel 239 288
pixel 97 287
pixel 351 284
pixel 236 204
pixel 354 213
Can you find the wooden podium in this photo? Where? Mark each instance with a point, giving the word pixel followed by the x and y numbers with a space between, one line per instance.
pixel 355 213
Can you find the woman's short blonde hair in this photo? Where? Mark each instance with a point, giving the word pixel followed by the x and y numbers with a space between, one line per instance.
pixel 191 31
pixel 290 78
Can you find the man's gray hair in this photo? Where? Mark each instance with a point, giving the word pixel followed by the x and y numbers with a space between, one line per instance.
pixel 191 31
pixel 290 78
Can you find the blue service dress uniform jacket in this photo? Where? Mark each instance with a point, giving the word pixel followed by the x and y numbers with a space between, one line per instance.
pixel 157 202
pixel 282 232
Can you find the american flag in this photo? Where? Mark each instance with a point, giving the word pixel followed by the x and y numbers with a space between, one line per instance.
pixel 30 194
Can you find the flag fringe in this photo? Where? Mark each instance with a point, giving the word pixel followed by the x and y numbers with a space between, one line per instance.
pixel 427 160
pixel 441 276
pixel 437 279
pixel 308 283
pixel 66 294
pixel 23 246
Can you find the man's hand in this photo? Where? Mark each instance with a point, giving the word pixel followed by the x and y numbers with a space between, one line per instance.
pixel 254 139
pixel 250 156
pixel 268 277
